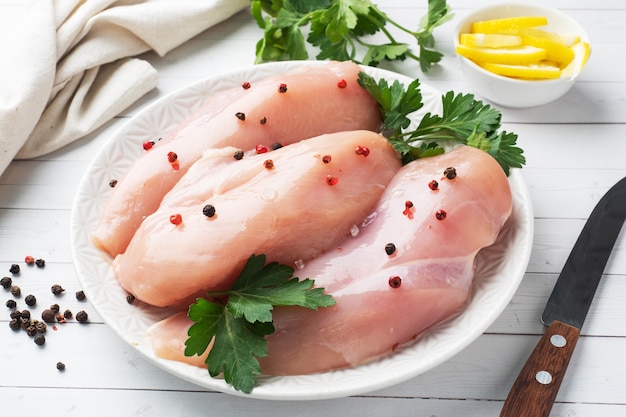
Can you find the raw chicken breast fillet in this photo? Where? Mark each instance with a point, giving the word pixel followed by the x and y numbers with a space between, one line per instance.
pixel 292 203
pixel 315 102
pixel 384 298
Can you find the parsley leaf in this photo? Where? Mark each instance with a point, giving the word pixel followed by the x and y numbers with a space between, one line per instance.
pixel 463 120
pixel 238 327
pixel 341 29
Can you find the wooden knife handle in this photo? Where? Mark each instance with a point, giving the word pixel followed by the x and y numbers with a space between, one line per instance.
pixel 535 389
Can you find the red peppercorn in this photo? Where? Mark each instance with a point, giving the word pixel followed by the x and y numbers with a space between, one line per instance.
pixel 29 260
pixel 433 185
pixel 326 159
pixel 268 163
pixel 395 282
pixel 147 145
pixel 260 148
pixel 282 88
pixel 441 214
pixel 408 209
pixel 176 219
pixel 362 150
pixel 330 180
pixel 245 85
pixel 172 158
pixel 342 84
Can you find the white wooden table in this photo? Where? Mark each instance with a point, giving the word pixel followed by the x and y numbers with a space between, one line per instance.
pixel 576 149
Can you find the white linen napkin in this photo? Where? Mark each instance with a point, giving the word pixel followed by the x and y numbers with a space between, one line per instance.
pixel 69 66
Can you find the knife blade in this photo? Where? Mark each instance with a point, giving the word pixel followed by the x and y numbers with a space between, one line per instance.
pixel 535 389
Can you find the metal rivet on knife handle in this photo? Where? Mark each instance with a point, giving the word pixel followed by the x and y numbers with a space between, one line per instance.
pixel 532 395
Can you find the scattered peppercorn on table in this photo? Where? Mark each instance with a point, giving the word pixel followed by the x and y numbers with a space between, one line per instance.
pixel 73 364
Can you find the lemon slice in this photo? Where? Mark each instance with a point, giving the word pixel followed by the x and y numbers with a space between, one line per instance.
pixel 524 55
pixel 582 50
pixel 556 52
pixel 567 40
pixel 490 40
pixel 508 24
pixel 527 72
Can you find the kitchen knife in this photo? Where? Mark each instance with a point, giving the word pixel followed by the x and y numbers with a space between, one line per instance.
pixel 535 389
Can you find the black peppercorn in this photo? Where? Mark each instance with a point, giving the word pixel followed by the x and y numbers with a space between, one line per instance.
pixel 16 291
pixel 40 263
pixel 11 304
pixel 57 289
pixel 112 183
pixel 67 314
pixel 450 173
pixel 130 298
pixel 82 317
pixel 30 300
pixel 24 322
pixel 276 145
pixel 14 269
pixel 25 314
pixel 55 308
pixel 80 295
pixel 390 249
pixel 14 324
pixel 39 339
pixel 41 326
pixel 48 315
pixel 238 155
pixel 16 314
pixel 60 366
pixel 6 282
pixel 31 330
pixel 241 116
pixel 208 210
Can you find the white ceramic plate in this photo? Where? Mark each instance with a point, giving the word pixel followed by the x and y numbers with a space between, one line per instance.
pixel 500 267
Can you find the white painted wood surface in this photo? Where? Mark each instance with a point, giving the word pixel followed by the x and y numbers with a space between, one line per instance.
pixel 576 149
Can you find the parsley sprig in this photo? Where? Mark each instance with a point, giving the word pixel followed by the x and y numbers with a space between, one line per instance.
pixel 342 30
pixel 463 120
pixel 238 320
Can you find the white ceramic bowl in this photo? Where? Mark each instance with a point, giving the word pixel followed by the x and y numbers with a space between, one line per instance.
pixel 510 92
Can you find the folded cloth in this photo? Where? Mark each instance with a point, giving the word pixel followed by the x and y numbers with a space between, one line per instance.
pixel 69 66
